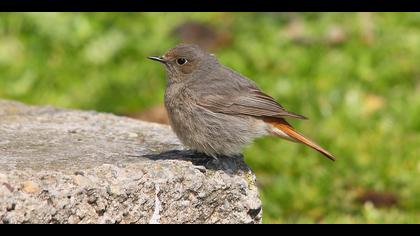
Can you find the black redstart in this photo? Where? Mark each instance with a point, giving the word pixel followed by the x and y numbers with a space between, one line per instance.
pixel 215 110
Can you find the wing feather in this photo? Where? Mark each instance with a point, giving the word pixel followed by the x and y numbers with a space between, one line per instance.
pixel 255 103
pixel 235 94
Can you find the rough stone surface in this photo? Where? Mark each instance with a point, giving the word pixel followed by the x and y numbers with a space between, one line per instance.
pixel 67 166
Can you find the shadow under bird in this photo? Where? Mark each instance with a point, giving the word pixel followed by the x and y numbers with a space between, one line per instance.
pixel 217 111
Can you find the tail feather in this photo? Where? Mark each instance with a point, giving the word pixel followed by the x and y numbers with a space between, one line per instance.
pixel 287 129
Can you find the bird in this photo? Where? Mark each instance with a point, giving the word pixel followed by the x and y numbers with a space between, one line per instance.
pixel 217 111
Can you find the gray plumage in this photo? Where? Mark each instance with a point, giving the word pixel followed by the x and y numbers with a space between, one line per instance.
pixel 213 109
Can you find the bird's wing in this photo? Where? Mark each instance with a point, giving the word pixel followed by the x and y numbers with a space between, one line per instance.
pixel 251 102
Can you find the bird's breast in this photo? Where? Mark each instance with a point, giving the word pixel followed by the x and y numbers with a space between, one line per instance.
pixel 179 104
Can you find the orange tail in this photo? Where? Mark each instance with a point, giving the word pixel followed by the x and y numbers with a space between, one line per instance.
pixel 286 128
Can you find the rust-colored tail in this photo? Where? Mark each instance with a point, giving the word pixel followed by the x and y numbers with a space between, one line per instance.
pixel 286 128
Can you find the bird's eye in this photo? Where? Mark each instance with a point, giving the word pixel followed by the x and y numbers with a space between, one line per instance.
pixel 181 61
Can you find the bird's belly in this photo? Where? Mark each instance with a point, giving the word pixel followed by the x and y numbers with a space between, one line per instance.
pixel 214 134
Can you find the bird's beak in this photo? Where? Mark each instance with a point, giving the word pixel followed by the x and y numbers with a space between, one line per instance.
pixel 157 58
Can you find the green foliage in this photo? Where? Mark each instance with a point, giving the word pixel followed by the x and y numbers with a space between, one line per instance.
pixel 355 75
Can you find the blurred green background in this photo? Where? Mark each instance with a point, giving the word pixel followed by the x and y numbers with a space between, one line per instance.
pixel 355 75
